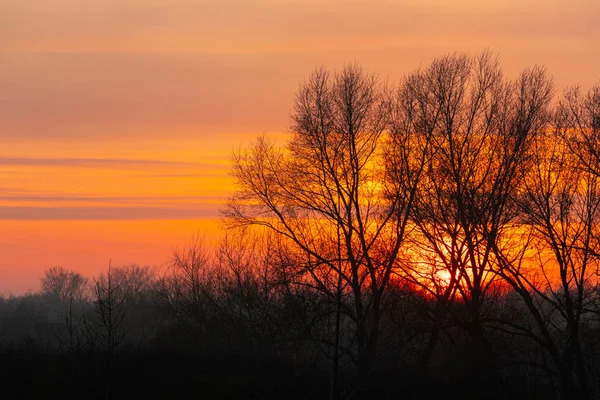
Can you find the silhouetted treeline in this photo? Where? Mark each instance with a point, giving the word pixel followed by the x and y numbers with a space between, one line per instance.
pixel 436 237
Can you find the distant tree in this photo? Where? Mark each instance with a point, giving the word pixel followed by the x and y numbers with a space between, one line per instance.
pixel 250 292
pixel 72 290
pixel 64 284
pixel 185 287
pixel 139 281
pixel 109 304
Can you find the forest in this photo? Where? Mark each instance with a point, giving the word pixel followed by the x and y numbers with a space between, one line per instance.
pixel 437 236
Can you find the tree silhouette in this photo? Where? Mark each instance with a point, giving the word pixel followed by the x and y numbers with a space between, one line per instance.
pixel 332 197
pixel 63 284
pixel 480 129
pixel 578 121
pixel 110 306
pixel 555 269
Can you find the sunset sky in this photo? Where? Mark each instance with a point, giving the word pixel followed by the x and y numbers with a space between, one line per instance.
pixel 118 117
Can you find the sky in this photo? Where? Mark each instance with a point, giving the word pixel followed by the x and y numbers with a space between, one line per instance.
pixel 118 117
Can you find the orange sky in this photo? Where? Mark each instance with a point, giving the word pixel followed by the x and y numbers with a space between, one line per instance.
pixel 117 117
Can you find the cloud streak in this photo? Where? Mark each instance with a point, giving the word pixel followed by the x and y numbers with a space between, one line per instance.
pixel 107 199
pixel 118 163
pixel 106 213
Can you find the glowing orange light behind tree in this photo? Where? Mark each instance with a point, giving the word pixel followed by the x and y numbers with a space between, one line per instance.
pixel 424 182
pixel 331 197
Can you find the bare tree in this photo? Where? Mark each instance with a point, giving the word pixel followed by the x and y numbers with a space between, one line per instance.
pixel 480 127
pixel 110 307
pixel 185 289
pixel 578 122
pixel 72 290
pixel 137 279
pixel 330 196
pixel 250 292
pixel 555 268
pixel 64 284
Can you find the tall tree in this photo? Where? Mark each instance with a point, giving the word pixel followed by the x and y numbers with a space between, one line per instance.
pixel 481 127
pixel 332 196
pixel 555 269
pixel 578 122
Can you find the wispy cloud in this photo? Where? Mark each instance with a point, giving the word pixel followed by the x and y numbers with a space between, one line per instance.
pixel 220 171
pixel 107 199
pixel 105 213
pixel 117 163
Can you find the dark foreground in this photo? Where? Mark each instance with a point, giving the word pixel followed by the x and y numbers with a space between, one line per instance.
pixel 33 375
